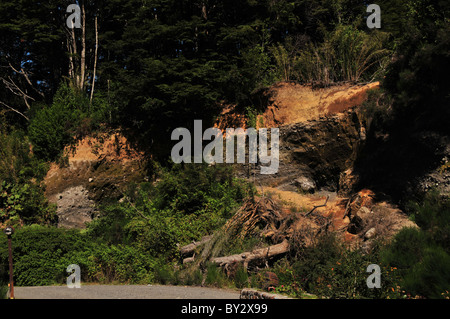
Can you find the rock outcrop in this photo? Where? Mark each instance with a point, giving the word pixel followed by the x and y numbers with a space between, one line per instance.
pixel 314 154
pixel 321 133
pixel 74 208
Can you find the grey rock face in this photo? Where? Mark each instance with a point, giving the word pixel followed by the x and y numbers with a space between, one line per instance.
pixel 74 208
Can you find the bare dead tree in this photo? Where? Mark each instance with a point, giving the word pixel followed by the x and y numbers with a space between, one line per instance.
pixel 95 60
pixel 83 49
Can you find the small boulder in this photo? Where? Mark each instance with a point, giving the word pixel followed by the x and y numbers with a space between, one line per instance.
pixel 370 233
pixel 363 212
pixel 305 184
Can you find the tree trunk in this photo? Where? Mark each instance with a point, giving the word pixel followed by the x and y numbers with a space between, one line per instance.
pixel 95 60
pixel 83 49
pixel 247 257
pixel 73 53
pixel 189 249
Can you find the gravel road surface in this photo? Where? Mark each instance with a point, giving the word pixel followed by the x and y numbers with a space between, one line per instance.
pixel 124 292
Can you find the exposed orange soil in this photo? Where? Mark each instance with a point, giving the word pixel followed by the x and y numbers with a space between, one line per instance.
pixel 81 159
pixel 111 147
pixel 292 103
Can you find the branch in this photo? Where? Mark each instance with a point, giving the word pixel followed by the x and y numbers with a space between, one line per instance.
pixel 324 204
pixel 14 110
pixel 14 88
pixel 25 75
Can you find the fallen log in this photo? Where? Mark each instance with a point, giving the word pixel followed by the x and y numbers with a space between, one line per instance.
pixel 247 257
pixel 189 249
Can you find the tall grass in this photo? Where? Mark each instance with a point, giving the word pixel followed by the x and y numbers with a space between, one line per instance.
pixel 347 54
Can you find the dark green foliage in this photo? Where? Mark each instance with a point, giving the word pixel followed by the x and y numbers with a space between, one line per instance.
pixel 22 199
pixel 68 118
pixel 24 203
pixel 214 276
pixel 4 279
pixel 431 276
pixel 423 255
pixel 407 248
pixel 330 269
pixel 42 254
pixel 241 277
pixel 418 78
pixel 39 254
pixel 185 205
pixel 17 163
pixel 432 214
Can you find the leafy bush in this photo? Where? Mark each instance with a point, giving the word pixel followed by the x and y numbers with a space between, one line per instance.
pixel 22 199
pixel 38 253
pixel 422 255
pixel 430 277
pixel 185 205
pixel 69 117
pixel 406 249
pixel 329 269
pixel 42 254
pixel 24 203
pixel 51 128
pixel 17 163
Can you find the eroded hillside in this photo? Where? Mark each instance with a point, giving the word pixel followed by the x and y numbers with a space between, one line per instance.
pixel 96 168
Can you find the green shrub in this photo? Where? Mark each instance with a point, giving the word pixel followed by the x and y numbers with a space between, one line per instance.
pixel 22 200
pixel 241 277
pixel 52 128
pixel 194 278
pixel 69 117
pixel 42 254
pixel 25 203
pixel 163 274
pixel 422 255
pixel 17 163
pixel 329 269
pixel 432 214
pixel 214 276
pixel 119 263
pixel 4 278
pixel 185 205
pixel 431 276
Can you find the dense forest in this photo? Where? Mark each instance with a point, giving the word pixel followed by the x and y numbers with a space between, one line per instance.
pixel 147 67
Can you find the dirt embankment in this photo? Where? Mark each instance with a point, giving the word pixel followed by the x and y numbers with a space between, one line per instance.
pixel 97 168
pixel 288 103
